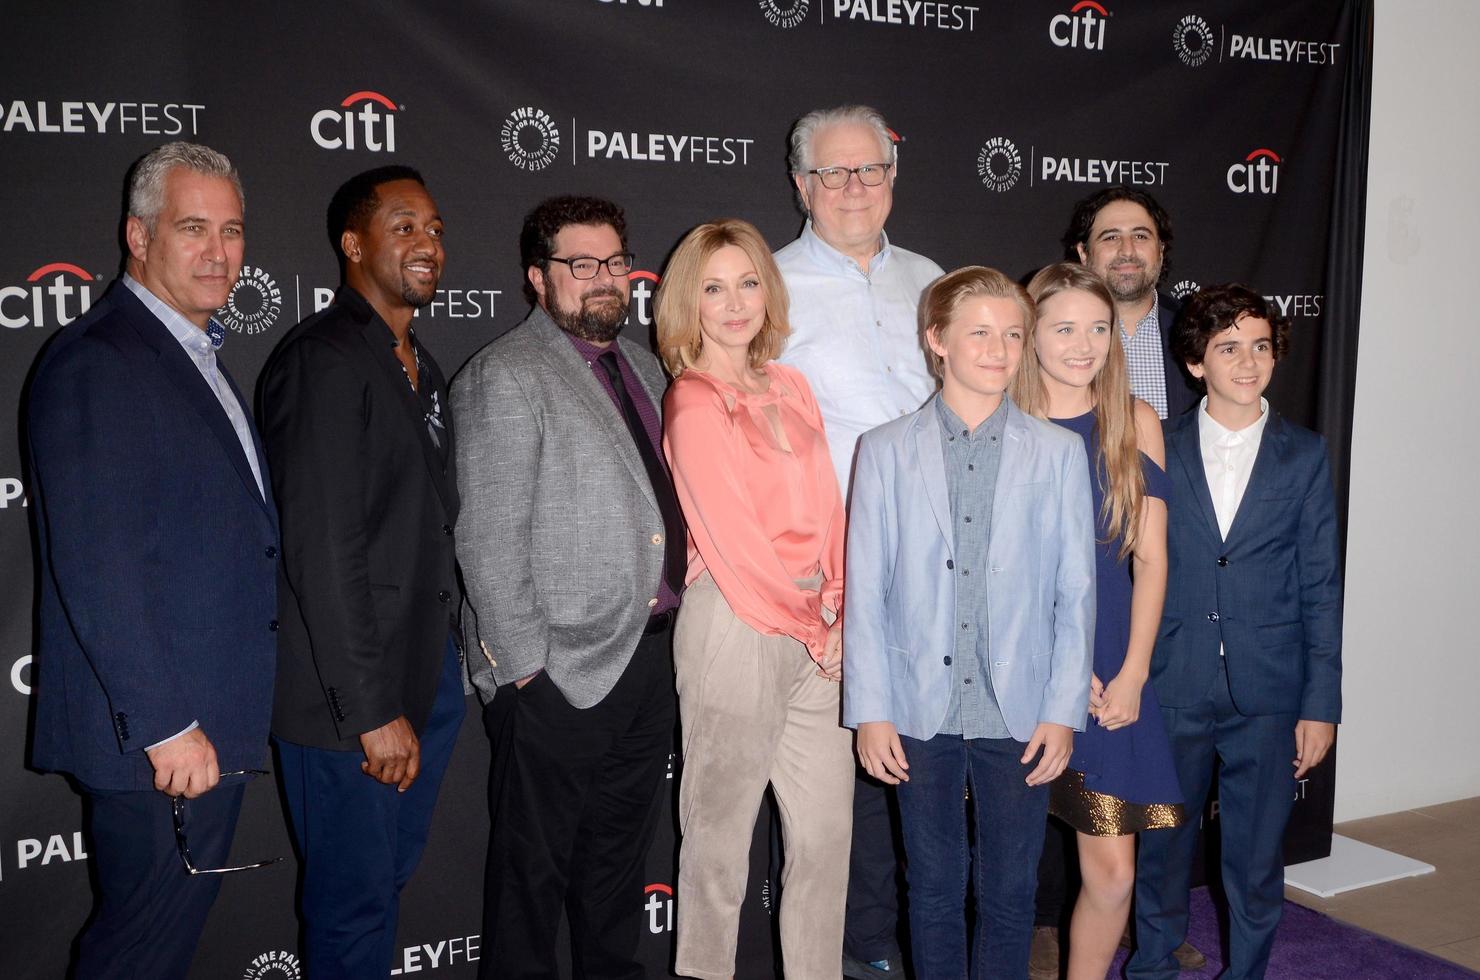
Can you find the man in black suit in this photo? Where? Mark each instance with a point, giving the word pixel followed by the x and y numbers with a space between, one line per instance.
pixel 369 691
pixel 156 596
pixel 1124 235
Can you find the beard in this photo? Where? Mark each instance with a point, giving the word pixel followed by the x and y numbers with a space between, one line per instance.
pixel 596 320
pixel 418 296
pixel 1132 286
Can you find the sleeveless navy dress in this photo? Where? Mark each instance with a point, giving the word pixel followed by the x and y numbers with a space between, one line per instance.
pixel 1118 782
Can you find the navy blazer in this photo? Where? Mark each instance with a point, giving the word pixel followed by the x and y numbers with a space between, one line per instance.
pixel 158 556
pixel 1181 393
pixel 1270 593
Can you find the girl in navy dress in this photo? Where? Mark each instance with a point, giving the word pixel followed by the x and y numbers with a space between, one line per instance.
pixel 1120 779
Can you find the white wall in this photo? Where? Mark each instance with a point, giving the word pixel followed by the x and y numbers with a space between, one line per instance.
pixel 1412 643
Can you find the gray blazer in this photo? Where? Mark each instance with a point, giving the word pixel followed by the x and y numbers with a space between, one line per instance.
pixel 560 538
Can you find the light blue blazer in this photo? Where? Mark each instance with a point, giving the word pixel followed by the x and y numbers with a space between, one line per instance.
pixel 900 623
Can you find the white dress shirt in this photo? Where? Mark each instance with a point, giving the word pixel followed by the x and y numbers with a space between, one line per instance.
pixel 1228 459
pixel 854 336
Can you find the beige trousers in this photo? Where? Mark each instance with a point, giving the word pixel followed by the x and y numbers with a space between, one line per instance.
pixel 755 712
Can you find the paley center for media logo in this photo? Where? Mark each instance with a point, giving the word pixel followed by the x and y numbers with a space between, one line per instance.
pixel 277 964
pixel 1289 305
pixel 254 304
pixel 147 118
pixel 1193 41
pixel 531 138
pixel 1257 173
pixel 371 127
pixel 54 295
pixel 1082 27
pixel 999 166
pixel 785 13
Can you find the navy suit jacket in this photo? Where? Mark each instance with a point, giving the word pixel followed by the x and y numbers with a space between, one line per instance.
pixel 1181 394
pixel 158 555
pixel 1270 593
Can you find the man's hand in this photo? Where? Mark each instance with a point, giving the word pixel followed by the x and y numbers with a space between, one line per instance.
pixel 880 753
pixel 185 765
pixel 1057 743
pixel 831 665
pixel 392 754
pixel 519 684
pixel 1121 701
pixel 1096 695
pixel 1312 741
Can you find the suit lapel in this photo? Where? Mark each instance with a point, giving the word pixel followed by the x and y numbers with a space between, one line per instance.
pixel 377 338
pixel 1266 463
pixel 1012 460
pixel 267 501
pixel 568 365
pixel 1186 442
pixel 180 369
pixel 933 469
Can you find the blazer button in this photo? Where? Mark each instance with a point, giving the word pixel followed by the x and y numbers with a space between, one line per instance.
pixel 271 552
pixel 1222 561
pixel 657 539
pixel 273 626
pixel 444 596
pixel 652 602
pixel 1212 617
pixel 447 529
pixel 950 564
pixel 947 661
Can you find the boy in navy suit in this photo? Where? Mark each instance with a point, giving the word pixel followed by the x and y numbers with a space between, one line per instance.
pixel 1247 663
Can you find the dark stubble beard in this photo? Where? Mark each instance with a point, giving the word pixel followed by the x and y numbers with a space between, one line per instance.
pixel 1130 290
pixel 593 322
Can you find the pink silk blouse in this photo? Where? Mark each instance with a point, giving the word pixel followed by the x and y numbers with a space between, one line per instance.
pixel 759 517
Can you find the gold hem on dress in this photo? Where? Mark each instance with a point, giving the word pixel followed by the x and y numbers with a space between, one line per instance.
pixel 1102 815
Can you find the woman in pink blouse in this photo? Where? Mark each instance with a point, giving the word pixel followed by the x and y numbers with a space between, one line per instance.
pixel 758 646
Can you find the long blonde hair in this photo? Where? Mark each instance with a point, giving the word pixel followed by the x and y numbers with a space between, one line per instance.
pixel 1123 481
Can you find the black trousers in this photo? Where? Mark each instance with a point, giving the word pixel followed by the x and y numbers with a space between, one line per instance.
pixel 871 927
pixel 575 799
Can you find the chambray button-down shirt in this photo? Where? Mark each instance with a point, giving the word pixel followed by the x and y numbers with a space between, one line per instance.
pixel 972 460
pixel 202 350
pixel 854 337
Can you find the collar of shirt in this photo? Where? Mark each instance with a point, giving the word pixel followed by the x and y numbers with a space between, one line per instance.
pixel 1152 319
pixel 830 258
pixel 1214 435
pixel 590 352
pixel 197 342
pixel 991 427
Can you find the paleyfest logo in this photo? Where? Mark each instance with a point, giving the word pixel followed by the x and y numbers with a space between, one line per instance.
pixel 54 295
pixel 1082 27
pixel 785 13
pixel 254 303
pixel 530 138
pixel 999 164
pixel 374 124
pixel 1193 40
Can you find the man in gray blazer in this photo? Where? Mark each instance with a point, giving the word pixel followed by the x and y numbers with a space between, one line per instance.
pixel 573 550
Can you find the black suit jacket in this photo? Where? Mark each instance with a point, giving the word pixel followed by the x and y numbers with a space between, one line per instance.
pixel 370 585
pixel 156 596
pixel 1181 395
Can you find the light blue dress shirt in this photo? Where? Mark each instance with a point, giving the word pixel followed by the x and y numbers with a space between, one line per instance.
pixel 854 336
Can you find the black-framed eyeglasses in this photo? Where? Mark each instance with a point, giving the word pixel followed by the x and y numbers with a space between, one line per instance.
pixel 836 178
pixel 585 267
pixel 181 814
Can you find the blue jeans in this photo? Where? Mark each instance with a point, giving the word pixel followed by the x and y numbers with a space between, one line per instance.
pixel 1009 817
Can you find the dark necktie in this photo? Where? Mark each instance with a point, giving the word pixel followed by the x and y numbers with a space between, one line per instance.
pixel 675 544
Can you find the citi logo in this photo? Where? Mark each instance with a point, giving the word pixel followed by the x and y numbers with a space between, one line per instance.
pixel 659 906
pixel 644 286
pixel 1082 27
pixel 374 124
pixel 60 289
pixel 1258 174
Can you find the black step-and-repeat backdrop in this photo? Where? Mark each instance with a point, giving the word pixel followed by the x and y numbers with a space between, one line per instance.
pixel 1227 111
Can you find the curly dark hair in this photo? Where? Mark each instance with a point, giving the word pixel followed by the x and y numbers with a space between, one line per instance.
pixel 1212 310
pixel 537 237
pixel 356 200
pixel 1085 212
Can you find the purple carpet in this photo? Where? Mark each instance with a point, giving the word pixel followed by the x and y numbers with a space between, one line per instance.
pixel 1313 946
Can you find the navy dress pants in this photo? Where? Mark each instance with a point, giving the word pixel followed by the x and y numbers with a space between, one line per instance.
pixel 359 840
